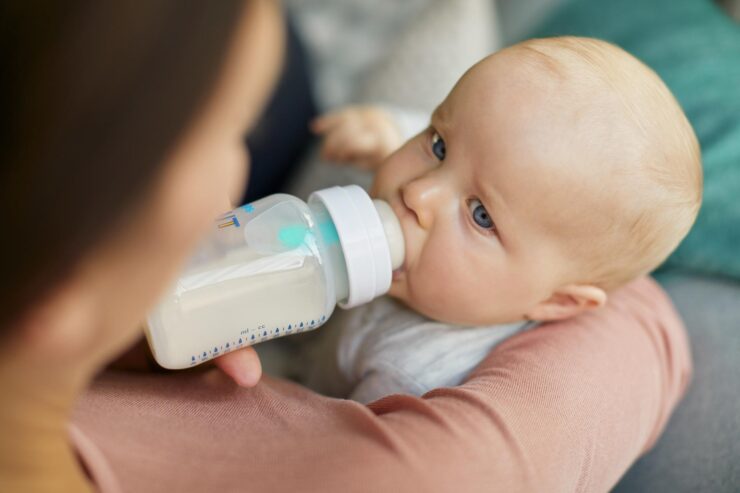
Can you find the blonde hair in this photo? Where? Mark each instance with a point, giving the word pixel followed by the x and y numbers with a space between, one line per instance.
pixel 665 174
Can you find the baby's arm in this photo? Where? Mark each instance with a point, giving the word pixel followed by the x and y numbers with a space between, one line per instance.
pixel 365 135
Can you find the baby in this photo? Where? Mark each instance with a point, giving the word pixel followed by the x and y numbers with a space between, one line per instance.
pixel 555 171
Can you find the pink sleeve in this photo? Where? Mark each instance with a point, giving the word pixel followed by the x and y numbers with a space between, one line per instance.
pixel 566 407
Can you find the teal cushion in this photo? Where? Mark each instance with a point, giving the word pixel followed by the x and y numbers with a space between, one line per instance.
pixel 695 48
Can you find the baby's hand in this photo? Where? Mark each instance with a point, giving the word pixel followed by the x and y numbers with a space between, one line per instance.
pixel 360 135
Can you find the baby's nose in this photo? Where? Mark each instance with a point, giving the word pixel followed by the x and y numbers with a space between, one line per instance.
pixel 421 196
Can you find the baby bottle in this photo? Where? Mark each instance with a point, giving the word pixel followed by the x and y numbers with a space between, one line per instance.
pixel 276 267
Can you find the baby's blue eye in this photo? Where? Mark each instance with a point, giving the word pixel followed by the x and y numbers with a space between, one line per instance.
pixel 438 146
pixel 481 217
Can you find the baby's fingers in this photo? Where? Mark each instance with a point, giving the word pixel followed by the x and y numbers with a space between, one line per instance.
pixel 340 144
pixel 328 121
pixel 363 152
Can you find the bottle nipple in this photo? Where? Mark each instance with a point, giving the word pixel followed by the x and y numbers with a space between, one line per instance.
pixel 393 232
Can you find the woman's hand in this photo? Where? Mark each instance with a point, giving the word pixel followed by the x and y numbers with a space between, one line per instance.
pixel 243 365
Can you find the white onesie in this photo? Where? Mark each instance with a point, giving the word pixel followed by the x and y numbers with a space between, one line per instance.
pixel 384 348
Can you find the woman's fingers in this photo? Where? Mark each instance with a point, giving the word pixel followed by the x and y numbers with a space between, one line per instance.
pixel 243 366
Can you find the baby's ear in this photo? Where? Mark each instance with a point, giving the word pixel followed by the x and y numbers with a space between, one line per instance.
pixel 568 301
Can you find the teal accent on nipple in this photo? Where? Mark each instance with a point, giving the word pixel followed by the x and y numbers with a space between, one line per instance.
pixel 329 232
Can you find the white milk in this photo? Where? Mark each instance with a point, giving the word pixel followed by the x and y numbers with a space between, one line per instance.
pixel 273 268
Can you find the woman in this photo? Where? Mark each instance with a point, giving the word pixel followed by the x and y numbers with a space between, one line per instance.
pixel 122 141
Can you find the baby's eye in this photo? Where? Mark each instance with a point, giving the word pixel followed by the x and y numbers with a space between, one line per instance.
pixel 438 146
pixel 481 217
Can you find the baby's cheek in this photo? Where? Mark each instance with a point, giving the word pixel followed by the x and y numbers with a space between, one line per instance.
pixel 435 293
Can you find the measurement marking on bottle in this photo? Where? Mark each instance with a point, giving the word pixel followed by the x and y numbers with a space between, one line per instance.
pixel 254 336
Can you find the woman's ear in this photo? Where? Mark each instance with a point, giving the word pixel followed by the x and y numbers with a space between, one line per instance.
pixel 568 301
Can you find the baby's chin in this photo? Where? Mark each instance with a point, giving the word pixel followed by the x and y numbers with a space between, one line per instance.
pixel 400 292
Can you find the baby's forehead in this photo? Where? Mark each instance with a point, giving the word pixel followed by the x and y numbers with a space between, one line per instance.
pixel 571 57
pixel 548 108
pixel 575 66
pixel 561 100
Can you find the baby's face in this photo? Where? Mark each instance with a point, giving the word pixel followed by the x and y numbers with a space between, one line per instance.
pixel 488 198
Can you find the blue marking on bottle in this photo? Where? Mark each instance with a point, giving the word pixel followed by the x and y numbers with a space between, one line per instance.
pixel 248 208
pixel 293 236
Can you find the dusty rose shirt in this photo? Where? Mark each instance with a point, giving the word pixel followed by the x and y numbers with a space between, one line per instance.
pixel 566 407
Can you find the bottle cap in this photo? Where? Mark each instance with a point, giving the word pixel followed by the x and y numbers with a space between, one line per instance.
pixel 364 241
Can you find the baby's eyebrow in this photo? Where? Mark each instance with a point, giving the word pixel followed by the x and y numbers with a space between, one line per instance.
pixel 440 115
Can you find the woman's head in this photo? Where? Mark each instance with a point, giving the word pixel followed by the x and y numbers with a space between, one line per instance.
pixel 122 138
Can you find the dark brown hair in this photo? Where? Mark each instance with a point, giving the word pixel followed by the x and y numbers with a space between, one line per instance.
pixel 94 94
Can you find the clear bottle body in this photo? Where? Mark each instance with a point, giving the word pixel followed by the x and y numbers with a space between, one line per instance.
pixel 270 268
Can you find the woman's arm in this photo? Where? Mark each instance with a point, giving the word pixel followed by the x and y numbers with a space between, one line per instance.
pixel 566 407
